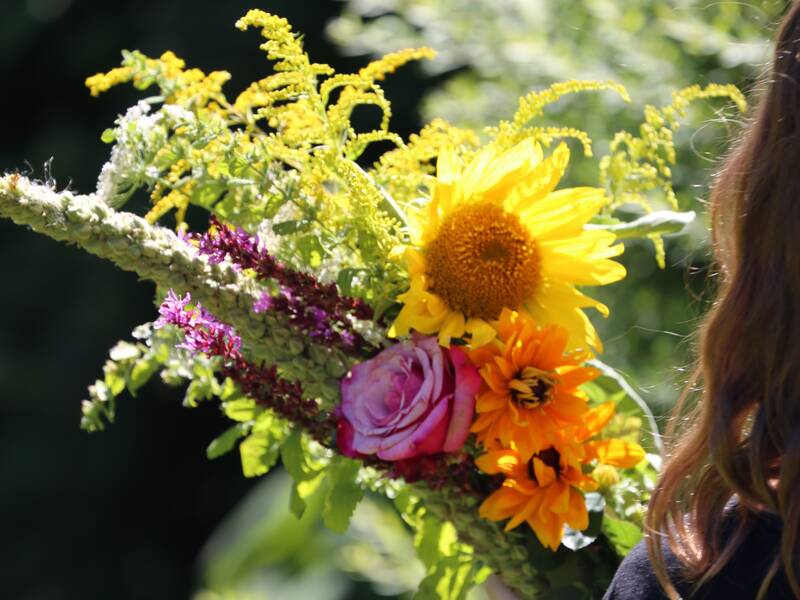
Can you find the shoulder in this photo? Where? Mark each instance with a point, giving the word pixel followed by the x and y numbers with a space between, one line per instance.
pixel 635 578
pixel 741 577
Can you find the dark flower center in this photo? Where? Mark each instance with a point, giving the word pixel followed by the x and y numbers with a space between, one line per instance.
pixel 550 457
pixel 531 387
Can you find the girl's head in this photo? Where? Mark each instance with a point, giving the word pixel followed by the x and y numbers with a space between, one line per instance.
pixel 743 438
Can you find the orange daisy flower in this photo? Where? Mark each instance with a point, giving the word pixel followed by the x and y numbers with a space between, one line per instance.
pixel 547 491
pixel 531 385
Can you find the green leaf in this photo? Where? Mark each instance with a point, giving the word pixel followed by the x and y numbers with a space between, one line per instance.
pixel 344 280
pixel 108 136
pixel 287 227
pixel 259 451
pixel 229 390
pixel 301 491
pixel 142 371
pixel 198 389
pixel 306 476
pixel 206 195
pixel 242 409
pixel 660 222
pixel 293 458
pixel 225 442
pixel 451 579
pixel 623 535
pixel 297 506
pixel 114 381
pixel 434 540
pixel 343 493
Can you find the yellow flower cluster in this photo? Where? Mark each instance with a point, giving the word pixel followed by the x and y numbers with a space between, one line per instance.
pixel 639 164
pixel 285 142
pixel 182 86
pixel 494 259
pixel 377 70
pixel 102 82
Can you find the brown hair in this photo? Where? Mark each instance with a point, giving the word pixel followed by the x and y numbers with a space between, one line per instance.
pixel 743 436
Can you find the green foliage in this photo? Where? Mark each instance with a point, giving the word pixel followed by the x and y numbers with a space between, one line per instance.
pixel 225 442
pixel 260 450
pixel 636 165
pixel 451 579
pixel 659 223
pixel 651 46
pixel 313 469
pixel 130 365
pixel 344 493
pixel 262 550
pixel 624 499
pixel 623 535
pixel 278 158
pixel 451 567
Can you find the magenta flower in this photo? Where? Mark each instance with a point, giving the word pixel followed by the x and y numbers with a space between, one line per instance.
pixel 203 331
pixel 413 399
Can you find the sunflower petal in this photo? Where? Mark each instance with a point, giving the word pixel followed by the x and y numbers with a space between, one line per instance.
pixel 452 327
pixel 540 181
pixel 480 331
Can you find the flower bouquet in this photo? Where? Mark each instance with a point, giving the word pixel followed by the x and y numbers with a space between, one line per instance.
pixel 413 324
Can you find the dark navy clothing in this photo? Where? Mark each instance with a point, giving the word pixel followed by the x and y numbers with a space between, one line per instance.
pixel 739 579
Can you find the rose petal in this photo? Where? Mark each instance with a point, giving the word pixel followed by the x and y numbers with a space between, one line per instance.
pixel 436 352
pixel 410 400
pixel 427 438
pixel 344 438
pixel 467 385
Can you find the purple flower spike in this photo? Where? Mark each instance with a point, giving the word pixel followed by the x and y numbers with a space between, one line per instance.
pixel 263 304
pixel 315 308
pixel 203 331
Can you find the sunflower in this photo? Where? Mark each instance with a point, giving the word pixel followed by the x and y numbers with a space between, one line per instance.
pixel 530 384
pixel 547 490
pixel 496 235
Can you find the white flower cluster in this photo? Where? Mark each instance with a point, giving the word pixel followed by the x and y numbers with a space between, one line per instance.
pixel 137 136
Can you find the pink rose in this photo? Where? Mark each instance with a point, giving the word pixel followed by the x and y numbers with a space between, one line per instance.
pixel 413 399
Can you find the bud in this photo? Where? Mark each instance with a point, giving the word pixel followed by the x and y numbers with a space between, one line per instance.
pixel 606 476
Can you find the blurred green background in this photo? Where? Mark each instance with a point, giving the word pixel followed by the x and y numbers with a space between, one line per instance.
pixel 138 511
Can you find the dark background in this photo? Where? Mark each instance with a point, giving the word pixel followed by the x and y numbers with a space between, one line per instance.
pixel 120 514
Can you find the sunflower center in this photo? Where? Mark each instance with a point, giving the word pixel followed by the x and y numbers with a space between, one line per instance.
pixel 531 387
pixel 494 250
pixel 482 260
pixel 550 457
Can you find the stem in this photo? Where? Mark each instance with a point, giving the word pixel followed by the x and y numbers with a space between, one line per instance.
pixel 156 253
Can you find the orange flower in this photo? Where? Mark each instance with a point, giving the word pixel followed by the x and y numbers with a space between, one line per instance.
pixel 531 385
pixel 547 490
